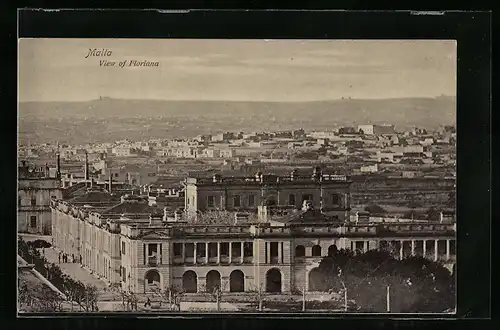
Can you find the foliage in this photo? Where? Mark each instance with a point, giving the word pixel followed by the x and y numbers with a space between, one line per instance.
pixel 257 293
pixel 416 284
pixel 40 243
pixel 39 299
pixel 172 295
pixel 219 217
pixel 375 209
pixel 433 214
pixel 85 296
pixel 129 299
pixel 216 293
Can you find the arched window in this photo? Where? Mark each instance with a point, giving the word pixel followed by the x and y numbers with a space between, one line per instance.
pixel 213 280
pixel 236 281
pixel 300 251
pixel 273 280
pixel 190 282
pixel 152 278
pixel 316 251
pixel 332 250
pixel 316 280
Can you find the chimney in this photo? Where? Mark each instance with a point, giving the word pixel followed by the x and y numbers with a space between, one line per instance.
pixel 110 181
pixel 86 166
pixel 58 164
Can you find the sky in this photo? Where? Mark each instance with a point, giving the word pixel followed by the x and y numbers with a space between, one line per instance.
pixel 236 70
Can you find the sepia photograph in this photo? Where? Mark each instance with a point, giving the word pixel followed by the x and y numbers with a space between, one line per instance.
pixel 236 176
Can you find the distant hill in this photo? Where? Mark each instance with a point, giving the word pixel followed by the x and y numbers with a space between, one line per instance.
pixel 112 119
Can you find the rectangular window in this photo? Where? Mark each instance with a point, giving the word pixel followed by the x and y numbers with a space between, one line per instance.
pixel 200 250
pixel 19 201
pixel 360 245
pixel 248 249
pixel 33 221
pixel 224 249
pixel 189 250
pixel 235 249
pixel 123 248
pixel 282 254
pixel 336 200
pixel 177 249
pixel 291 199
pixel 274 249
pixel 307 197
pixel 211 201
pixel 237 201
pixel 124 274
pixel 33 201
pixel 265 251
pixel 251 200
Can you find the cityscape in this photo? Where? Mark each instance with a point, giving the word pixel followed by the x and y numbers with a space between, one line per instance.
pixel 345 208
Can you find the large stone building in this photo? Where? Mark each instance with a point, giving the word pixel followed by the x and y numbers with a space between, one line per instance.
pixel 376 129
pixel 141 248
pixel 36 187
pixel 328 192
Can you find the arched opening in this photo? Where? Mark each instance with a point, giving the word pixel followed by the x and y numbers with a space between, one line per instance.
pixel 152 280
pixel 332 250
pixel 316 251
pixel 316 280
pixel 190 282
pixel 213 280
pixel 237 281
pixel 273 280
pixel 300 251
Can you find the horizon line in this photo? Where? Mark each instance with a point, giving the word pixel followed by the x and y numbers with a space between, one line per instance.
pixel 105 98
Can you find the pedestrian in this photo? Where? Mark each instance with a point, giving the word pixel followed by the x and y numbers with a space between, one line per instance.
pixel 72 258
pixel 59 257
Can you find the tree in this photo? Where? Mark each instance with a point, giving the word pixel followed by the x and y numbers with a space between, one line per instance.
pixel 433 214
pixel 416 284
pixel 128 298
pixel 40 298
pixel 216 293
pixel 172 295
pixel 85 296
pixel 258 295
pixel 375 209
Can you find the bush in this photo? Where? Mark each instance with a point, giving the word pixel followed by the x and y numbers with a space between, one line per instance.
pixel 375 209
pixel 40 243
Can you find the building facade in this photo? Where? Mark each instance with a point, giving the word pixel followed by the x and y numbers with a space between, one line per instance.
pixel 36 188
pixel 134 246
pixel 329 192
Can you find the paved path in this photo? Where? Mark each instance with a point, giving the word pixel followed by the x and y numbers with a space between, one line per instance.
pixel 77 272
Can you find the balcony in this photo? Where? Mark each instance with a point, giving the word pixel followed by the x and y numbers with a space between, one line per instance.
pixel 236 260
pixel 212 260
pixel 300 260
pixel 189 260
pixel 178 260
pixel 248 259
pixel 33 208
pixel 153 261
pixel 224 259
pixel 274 260
pixel 201 260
